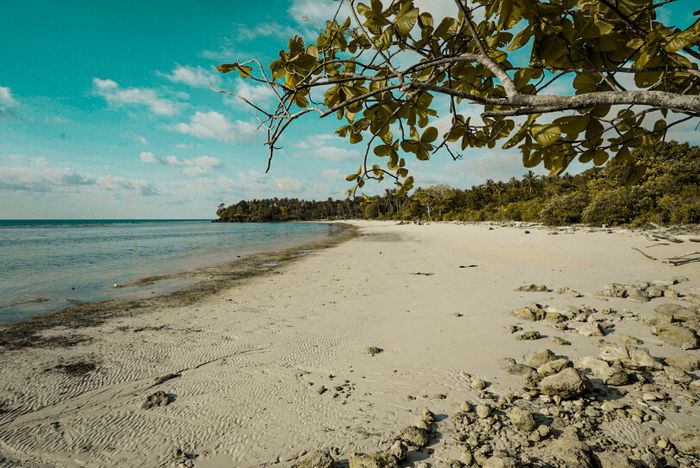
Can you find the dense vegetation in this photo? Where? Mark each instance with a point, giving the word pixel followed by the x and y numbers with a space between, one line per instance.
pixel 668 193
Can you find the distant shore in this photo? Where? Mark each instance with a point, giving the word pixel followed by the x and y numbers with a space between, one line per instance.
pixel 511 337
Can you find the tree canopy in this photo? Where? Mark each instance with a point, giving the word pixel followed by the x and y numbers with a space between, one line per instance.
pixel 668 193
pixel 558 79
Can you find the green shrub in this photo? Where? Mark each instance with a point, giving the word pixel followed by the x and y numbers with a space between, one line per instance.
pixel 564 209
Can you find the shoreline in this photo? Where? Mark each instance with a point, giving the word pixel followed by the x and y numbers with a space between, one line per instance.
pixel 208 280
pixel 342 351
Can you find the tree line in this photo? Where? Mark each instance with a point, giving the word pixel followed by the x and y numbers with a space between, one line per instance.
pixel 667 193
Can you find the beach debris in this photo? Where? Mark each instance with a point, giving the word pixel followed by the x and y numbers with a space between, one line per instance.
pixel 643 253
pixel 184 459
pixel 321 390
pixel 373 350
pixel 567 290
pixel 166 377
pixel 534 288
pixel 457 314
pixel 159 398
pixel 468 266
pixel 77 369
pixel 561 341
pixel 420 273
pixel 317 459
pixel 529 335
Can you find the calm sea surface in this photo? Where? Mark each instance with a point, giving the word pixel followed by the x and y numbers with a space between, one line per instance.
pixel 49 265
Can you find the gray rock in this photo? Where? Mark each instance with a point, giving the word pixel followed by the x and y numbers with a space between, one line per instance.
pixel 372 460
pixel 500 462
pixel 677 375
pixel 159 398
pixel 529 335
pixel 534 288
pixel 687 362
pixel 553 367
pixel 609 375
pixel 610 459
pixel 687 440
pixel 561 341
pixel 478 384
pixel 568 383
pixel 591 329
pixel 677 336
pixel 631 357
pixel 317 459
pixel 568 450
pixel 522 419
pixel 482 411
pixel 373 350
pixel 630 340
pixel 414 436
pixel 532 312
pixel 538 358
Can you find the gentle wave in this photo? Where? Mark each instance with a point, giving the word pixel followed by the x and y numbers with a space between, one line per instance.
pixel 47 265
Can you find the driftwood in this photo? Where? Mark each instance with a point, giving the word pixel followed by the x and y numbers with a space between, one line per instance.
pixel 641 252
pixel 684 259
pixel 667 237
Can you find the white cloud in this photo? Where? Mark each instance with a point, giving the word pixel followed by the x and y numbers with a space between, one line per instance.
pixel 7 101
pixel 215 126
pixel 260 95
pixel 118 97
pixel 332 174
pixel 249 33
pixel 196 77
pixel 148 157
pixel 191 167
pixel 318 11
pixel 320 146
pixel 288 185
pixel 38 175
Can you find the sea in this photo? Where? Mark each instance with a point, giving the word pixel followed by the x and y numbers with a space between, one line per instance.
pixel 48 265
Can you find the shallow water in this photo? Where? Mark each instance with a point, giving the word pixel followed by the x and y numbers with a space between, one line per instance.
pixel 49 265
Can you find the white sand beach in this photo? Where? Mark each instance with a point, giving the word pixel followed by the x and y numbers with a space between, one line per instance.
pixel 277 366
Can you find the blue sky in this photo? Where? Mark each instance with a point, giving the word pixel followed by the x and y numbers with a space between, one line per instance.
pixel 105 111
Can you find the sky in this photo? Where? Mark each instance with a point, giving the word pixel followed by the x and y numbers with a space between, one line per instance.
pixel 106 111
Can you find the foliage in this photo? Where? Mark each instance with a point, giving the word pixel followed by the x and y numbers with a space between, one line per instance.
pixel 502 56
pixel 669 193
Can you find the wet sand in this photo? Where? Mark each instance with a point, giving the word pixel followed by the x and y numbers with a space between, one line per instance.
pixel 260 370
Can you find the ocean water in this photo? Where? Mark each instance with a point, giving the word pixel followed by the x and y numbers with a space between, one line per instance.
pixel 49 265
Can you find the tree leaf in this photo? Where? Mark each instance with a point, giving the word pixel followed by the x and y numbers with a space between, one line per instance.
pixel 546 135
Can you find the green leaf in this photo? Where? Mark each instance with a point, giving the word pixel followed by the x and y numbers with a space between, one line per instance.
pixel 429 135
pixel 546 135
pixel 406 19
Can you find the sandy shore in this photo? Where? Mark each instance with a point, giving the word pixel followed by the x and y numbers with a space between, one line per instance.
pixel 277 366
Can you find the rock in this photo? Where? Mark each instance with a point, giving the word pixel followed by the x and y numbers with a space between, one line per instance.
pixel 568 450
pixel 591 329
pixel 534 288
pixel 373 460
pixel 631 357
pixel 414 436
pixel 553 367
pixel 513 329
pixel 499 462
pixel 610 459
pixel 538 358
pixel 630 340
pixel 398 451
pixel 677 335
pixel 529 335
pixel 687 362
pixel 687 440
pixel 518 369
pixel 478 384
pixel 482 411
pixel 427 416
pixel 561 341
pixel 321 390
pixel 532 312
pixel 609 375
pixel 568 383
pixel 638 294
pixel 677 375
pixel 669 313
pixel 522 419
pixel 159 398
pixel 317 459
pixel 373 350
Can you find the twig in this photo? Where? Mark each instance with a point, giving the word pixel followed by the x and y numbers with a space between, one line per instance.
pixel 646 255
